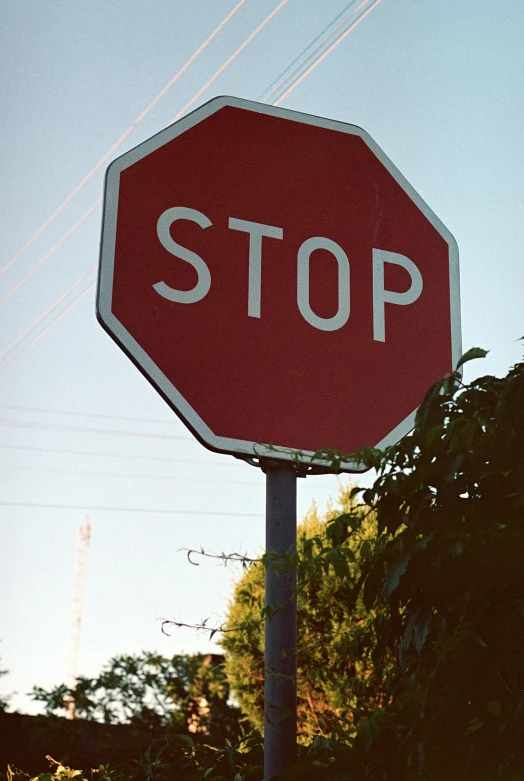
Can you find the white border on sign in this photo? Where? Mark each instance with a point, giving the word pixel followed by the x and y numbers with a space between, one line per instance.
pixel 121 335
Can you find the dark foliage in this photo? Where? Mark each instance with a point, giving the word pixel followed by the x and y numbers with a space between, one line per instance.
pixel 450 510
pixel 190 694
pixel 441 584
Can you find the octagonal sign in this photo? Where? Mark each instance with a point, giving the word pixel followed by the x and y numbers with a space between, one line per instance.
pixel 278 281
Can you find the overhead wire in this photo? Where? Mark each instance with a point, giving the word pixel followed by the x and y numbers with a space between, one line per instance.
pixel 132 475
pixel 35 424
pixel 228 62
pixel 287 92
pixel 122 138
pixel 45 314
pixel 42 333
pixel 83 414
pixel 98 202
pixel 142 510
pixel 278 80
pixel 129 456
pixel 335 33
pixel 220 462
pixel 48 254
pixel 328 51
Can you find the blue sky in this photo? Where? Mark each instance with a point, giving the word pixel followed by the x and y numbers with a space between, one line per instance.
pixel 439 86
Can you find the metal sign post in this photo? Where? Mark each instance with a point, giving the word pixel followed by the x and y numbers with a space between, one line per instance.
pixel 280 656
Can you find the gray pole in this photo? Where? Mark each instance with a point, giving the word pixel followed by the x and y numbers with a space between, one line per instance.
pixel 280 662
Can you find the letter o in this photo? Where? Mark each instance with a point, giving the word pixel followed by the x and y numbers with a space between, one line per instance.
pixel 304 253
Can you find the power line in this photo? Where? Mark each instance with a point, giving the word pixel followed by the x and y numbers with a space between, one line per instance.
pixel 228 62
pixel 93 473
pixel 48 254
pixel 42 333
pixel 278 81
pixel 129 456
pixel 142 510
pixel 90 430
pixel 43 316
pixel 122 138
pixel 290 89
pixel 99 200
pixel 220 462
pixel 327 52
pixel 324 42
pixel 75 413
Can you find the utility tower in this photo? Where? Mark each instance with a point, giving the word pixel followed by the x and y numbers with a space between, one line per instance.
pixel 84 535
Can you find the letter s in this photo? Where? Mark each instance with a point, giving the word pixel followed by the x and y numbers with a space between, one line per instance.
pixel 203 284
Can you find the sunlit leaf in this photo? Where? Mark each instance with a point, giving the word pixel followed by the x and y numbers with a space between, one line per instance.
pixel 471 355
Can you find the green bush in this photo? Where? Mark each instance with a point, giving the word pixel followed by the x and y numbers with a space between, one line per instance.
pixel 422 585
pixel 156 692
pixel 449 502
pixel 334 678
pixel 431 608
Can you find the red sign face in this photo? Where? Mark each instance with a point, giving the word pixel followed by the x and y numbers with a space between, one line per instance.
pixel 278 281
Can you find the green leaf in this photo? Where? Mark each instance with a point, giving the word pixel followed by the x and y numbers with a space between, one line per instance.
pixel 470 355
pixel 301 771
pixel 494 708
pixel 395 572
pixel 430 399
pixel 337 531
pixel 185 739
pixel 474 726
pixel 268 611
pixel 365 734
pixel 338 562
pixel 372 585
pixel 416 631
pixel 371 456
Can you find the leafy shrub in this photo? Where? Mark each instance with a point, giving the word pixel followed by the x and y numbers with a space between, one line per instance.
pixel 334 678
pixel 425 585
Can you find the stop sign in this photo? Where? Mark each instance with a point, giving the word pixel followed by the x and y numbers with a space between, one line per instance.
pixel 278 281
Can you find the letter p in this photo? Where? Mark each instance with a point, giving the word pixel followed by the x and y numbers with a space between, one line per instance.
pixel 382 296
